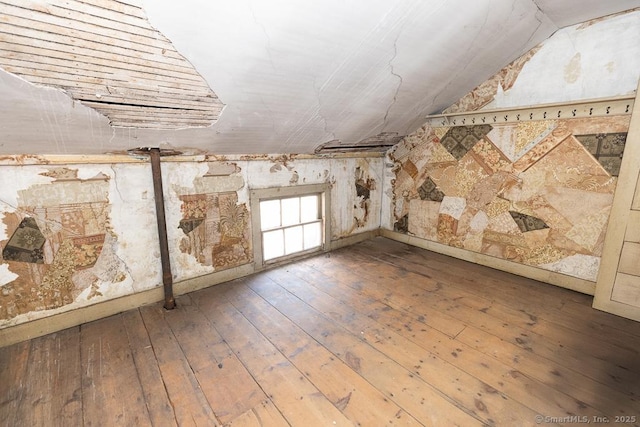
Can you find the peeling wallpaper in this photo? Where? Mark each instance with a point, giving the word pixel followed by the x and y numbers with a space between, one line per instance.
pixel 72 236
pixel 59 245
pixel 536 193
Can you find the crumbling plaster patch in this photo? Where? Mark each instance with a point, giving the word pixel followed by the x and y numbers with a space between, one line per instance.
pixel 356 195
pixel 133 219
pixel 279 171
pixel 178 179
pixel 133 68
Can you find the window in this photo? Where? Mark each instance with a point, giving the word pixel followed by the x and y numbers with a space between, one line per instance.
pixel 289 221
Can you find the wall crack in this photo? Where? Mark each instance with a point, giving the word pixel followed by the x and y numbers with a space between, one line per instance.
pixel 266 35
pixel 115 183
pixel 324 119
pixel 400 81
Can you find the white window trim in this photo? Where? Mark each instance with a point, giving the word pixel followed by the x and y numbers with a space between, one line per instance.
pixel 257 195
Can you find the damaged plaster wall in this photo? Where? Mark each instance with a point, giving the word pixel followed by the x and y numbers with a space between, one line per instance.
pixel 596 59
pixel 76 235
pixel 517 191
pixel 207 202
pixel 60 247
pixel 356 188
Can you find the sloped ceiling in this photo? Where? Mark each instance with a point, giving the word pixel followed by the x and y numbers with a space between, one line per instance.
pixel 292 74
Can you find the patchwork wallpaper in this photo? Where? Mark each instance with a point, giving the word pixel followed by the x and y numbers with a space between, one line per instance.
pixel 59 250
pixel 537 193
pixel 71 241
pixel 216 229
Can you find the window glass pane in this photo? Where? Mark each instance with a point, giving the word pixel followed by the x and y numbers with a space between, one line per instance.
pixel 312 235
pixel 272 244
pixel 269 214
pixel 281 225
pixel 309 208
pixel 293 239
pixel 291 211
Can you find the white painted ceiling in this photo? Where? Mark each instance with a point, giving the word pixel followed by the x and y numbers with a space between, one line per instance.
pixel 297 74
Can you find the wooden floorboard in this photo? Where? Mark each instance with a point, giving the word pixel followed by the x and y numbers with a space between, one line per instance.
pixel 13 387
pixel 160 409
pixel 613 365
pixel 53 380
pixel 346 389
pixel 379 333
pixel 229 387
pixel 297 398
pixel 111 391
pixel 190 405
pixel 497 376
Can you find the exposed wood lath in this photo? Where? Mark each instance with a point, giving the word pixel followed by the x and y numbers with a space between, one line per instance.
pixel 105 54
pixel 380 143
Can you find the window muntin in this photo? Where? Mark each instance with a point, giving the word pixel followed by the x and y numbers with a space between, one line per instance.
pixel 290 225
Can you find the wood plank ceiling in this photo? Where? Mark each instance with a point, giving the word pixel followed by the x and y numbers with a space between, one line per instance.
pixel 105 54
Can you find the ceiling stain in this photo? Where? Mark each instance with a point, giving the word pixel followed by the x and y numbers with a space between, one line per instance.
pixel 573 69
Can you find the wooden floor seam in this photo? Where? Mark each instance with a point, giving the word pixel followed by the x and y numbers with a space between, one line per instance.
pixel 378 333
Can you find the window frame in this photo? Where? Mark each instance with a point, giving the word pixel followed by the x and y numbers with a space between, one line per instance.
pixel 264 194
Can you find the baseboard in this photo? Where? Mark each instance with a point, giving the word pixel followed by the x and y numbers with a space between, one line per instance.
pixel 353 239
pixel 201 282
pixel 57 322
pixel 558 279
pixel 68 319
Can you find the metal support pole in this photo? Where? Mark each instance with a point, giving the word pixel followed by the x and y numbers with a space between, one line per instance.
pixel 167 277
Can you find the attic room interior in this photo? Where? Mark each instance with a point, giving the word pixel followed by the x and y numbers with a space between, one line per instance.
pixel 265 213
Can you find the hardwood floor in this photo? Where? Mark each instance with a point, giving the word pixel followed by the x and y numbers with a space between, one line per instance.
pixel 373 334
